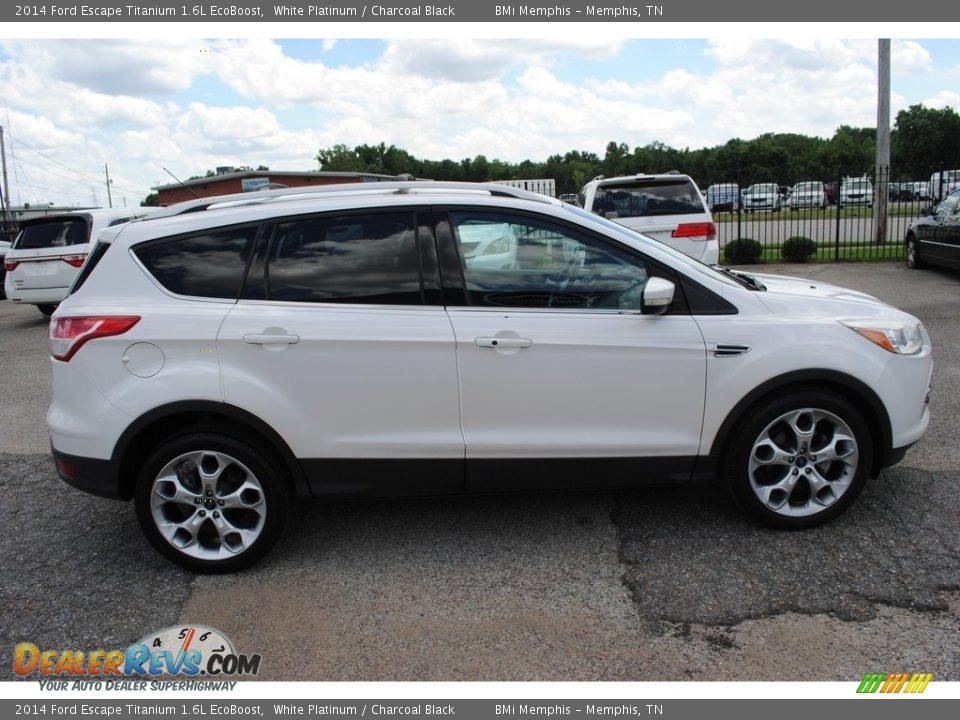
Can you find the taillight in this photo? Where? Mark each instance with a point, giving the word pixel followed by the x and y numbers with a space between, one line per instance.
pixel 685 230
pixel 69 334
pixel 74 260
pixel 10 265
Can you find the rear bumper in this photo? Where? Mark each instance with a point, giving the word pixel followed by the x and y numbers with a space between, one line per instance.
pixel 92 475
pixel 45 296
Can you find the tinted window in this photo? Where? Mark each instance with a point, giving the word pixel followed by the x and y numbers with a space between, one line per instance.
pixel 53 234
pixel 357 259
pixel 208 265
pixel 519 261
pixel 637 198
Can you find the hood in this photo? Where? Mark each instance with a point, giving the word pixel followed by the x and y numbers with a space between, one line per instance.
pixel 791 296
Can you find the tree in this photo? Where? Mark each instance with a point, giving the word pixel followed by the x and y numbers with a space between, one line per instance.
pixel 923 139
pixel 151 200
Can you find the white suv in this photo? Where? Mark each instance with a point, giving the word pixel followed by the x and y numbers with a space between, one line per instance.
pixel 47 253
pixel 343 342
pixel 667 207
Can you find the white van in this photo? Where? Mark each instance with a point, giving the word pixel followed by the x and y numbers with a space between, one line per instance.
pixel 942 184
pixel 48 252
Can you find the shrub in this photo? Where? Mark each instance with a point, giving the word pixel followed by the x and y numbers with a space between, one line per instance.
pixel 798 249
pixel 742 251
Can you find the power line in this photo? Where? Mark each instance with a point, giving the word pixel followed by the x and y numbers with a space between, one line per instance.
pixel 67 167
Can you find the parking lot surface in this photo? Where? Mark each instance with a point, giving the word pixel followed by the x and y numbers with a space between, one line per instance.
pixel 663 584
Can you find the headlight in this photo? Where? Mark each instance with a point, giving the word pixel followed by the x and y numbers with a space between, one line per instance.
pixel 892 335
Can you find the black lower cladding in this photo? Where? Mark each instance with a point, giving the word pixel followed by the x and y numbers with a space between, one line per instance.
pixel 92 475
pixel 394 478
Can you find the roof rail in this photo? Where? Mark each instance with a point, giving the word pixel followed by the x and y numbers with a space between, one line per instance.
pixel 390 187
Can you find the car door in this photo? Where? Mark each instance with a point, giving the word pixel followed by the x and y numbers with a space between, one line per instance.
pixel 563 381
pixel 336 344
pixel 937 234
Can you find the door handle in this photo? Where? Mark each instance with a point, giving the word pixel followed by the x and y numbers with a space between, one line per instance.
pixel 503 342
pixel 266 339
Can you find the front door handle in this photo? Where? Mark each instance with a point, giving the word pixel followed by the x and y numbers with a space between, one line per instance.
pixel 269 339
pixel 503 342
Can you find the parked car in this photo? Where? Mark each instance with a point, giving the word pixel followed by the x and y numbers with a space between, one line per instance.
pixel 4 246
pixel 723 197
pixel 810 194
pixel 215 364
pixel 667 207
pixel 762 196
pixel 900 192
pixel 48 252
pixel 856 192
pixel 934 239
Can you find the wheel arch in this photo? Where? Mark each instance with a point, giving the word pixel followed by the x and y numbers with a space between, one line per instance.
pixel 855 391
pixel 166 421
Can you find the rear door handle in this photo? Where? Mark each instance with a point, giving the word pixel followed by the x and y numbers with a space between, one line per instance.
pixel 503 342
pixel 268 339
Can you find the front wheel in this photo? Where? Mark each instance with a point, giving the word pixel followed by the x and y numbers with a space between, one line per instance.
pixel 801 460
pixel 914 261
pixel 210 503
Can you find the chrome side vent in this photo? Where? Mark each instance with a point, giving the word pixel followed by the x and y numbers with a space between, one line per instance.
pixel 723 350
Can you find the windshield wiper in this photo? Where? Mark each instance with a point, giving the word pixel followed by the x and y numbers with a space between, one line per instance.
pixel 748 281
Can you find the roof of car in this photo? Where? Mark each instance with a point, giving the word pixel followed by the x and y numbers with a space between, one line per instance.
pixel 257 206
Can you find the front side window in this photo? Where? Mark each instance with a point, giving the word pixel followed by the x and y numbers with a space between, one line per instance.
pixel 527 262
pixel 365 259
pixel 205 265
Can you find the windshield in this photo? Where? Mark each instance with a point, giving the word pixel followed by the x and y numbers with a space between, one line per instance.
pixel 622 231
pixel 808 187
pixel 763 189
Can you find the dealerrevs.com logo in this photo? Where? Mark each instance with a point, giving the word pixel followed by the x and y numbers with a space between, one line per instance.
pixel 887 683
pixel 190 651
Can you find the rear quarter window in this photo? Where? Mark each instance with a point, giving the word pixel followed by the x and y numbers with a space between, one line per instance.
pixel 202 265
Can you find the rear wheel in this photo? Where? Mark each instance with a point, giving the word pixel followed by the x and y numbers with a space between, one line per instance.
pixel 801 460
pixel 210 503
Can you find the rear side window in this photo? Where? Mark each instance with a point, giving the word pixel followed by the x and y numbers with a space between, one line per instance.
pixel 53 234
pixel 207 265
pixel 365 259
pixel 637 198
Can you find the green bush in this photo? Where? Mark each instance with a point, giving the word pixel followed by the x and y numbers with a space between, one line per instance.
pixel 798 249
pixel 742 251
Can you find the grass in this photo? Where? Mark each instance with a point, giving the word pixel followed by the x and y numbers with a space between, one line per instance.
pixel 849 252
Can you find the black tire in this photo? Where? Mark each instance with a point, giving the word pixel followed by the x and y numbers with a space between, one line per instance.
pixel 209 550
pixel 914 261
pixel 47 309
pixel 840 483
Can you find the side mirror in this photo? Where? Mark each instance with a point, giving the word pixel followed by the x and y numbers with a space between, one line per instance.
pixel 657 296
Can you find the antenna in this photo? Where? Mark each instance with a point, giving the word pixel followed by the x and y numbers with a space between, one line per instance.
pixel 182 183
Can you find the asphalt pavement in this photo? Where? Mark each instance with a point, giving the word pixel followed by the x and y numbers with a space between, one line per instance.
pixel 658 584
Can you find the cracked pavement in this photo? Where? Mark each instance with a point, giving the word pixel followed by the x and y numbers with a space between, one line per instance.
pixel 654 584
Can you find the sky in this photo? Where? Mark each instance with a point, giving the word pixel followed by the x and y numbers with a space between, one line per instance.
pixel 71 106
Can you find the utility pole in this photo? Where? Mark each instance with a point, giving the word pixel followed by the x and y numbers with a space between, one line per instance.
pixel 106 172
pixel 883 175
pixel 6 184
